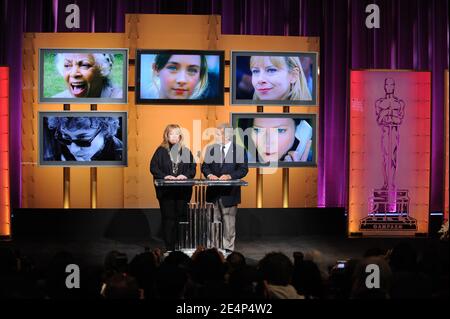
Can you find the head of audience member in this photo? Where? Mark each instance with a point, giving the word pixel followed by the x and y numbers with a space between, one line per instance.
pixel 143 267
pixel 122 286
pixel 171 281
pixel 235 260
pixel 115 262
pixel 276 269
pixel 307 279
pixel 178 259
pixel 208 266
pixel 246 283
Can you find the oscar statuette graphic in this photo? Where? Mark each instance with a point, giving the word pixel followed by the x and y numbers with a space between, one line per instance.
pixel 388 206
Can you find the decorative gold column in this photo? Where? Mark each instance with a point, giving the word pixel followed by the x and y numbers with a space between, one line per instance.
pixel 285 185
pixel 212 38
pixel 259 188
pixel 66 187
pixel 131 173
pixel 259 176
pixel 66 177
pixel 30 107
pixel 93 187
pixel 93 176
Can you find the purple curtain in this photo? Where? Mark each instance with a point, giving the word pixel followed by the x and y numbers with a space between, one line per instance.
pixel 413 35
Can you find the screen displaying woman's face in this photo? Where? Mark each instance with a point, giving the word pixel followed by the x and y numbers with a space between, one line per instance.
pixel 82 76
pixel 179 76
pixel 273 137
pixel 84 153
pixel 270 82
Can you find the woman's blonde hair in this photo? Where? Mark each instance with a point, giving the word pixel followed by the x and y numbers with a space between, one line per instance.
pixel 165 143
pixel 299 89
pixel 163 58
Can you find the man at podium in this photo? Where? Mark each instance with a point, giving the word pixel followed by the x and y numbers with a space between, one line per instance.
pixel 225 160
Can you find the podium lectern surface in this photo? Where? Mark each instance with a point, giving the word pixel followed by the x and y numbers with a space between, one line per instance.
pixel 199 182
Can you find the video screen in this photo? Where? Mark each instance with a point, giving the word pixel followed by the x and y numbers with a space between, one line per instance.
pixel 179 77
pixel 273 78
pixel 83 138
pixel 276 139
pixel 83 76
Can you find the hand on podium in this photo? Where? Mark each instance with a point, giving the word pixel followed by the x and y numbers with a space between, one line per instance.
pixel 212 177
pixel 225 177
pixel 181 177
pixel 169 177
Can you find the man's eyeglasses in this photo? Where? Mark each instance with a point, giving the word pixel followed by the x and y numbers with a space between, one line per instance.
pixel 80 143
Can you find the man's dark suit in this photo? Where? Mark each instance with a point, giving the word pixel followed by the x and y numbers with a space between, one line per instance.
pixel 235 165
pixel 225 198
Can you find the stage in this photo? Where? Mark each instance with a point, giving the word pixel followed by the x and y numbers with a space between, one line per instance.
pixel 325 250
pixel 90 234
pixel 144 223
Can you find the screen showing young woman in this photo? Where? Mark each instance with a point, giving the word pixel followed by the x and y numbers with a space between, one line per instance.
pixel 274 78
pixel 276 139
pixel 179 77
pixel 83 138
pixel 83 76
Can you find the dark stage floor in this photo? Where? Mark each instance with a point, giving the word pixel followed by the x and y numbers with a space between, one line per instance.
pixel 325 250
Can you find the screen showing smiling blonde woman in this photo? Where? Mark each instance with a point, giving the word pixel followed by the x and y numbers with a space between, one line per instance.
pixel 281 78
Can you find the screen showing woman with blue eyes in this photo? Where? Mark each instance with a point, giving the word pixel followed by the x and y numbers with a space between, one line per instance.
pixel 179 77
pixel 276 139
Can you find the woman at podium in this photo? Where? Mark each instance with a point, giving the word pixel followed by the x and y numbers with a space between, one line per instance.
pixel 172 161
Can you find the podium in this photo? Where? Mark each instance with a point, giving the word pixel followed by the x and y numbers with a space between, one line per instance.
pixel 199 229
